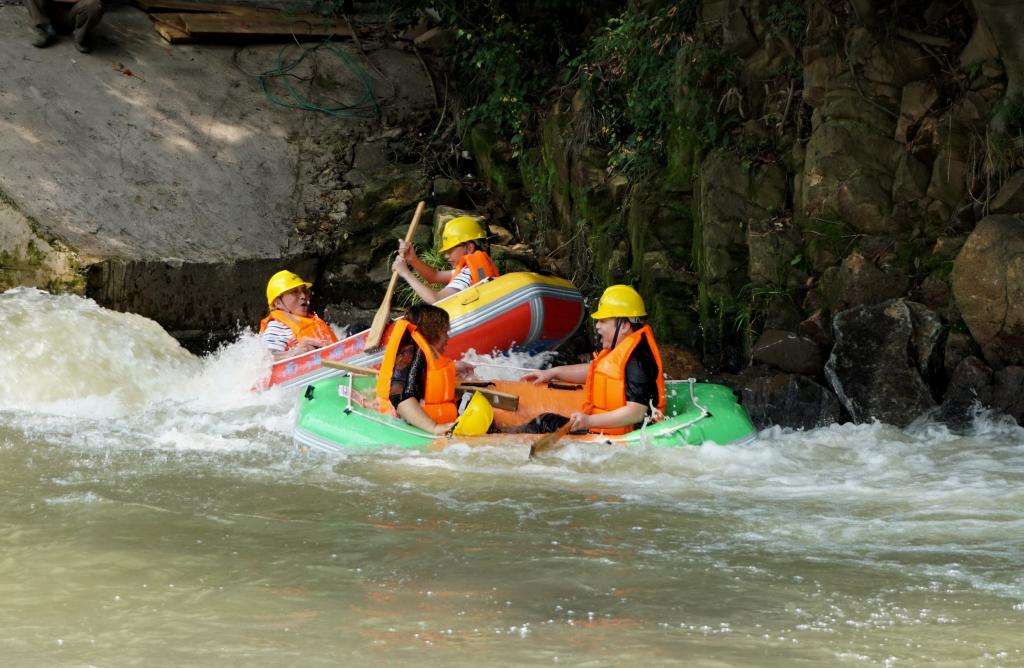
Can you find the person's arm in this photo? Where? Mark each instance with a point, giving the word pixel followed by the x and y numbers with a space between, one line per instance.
pixel 305 345
pixel 408 384
pixel 277 337
pixel 626 416
pixel 570 373
pixel 424 292
pixel 411 411
pixel 641 391
pixel 429 274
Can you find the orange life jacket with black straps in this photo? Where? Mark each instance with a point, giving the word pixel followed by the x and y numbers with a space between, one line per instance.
pixel 480 266
pixel 302 327
pixel 439 394
pixel 606 379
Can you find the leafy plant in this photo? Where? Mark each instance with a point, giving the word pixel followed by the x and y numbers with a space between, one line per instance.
pixel 787 19
pixel 405 296
pixel 645 76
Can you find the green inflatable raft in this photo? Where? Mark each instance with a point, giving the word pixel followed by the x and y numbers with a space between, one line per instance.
pixel 338 414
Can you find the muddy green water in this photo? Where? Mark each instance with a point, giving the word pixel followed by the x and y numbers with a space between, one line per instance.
pixel 155 512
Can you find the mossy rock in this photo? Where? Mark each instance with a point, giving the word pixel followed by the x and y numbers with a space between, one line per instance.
pixel 494 162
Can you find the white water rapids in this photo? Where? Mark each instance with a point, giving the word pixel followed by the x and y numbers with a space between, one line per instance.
pixel 155 511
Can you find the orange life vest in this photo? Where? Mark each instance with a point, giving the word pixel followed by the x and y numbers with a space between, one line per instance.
pixel 480 266
pixel 439 395
pixel 302 327
pixel 606 379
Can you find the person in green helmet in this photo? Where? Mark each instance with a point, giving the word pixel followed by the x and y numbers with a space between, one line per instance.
pixel 462 245
pixel 623 385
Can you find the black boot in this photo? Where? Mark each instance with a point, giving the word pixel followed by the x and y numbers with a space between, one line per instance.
pixel 44 36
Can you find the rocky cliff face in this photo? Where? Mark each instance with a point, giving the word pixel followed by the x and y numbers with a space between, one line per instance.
pixel 821 201
pixel 858 199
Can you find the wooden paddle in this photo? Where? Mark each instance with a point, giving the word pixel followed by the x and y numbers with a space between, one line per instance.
pixel 380 321
pixel 503 400
pixel 353 369
pixel 548 441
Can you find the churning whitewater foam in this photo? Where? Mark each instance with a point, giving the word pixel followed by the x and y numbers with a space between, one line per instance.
pixel 78 376
pixel 106 379
pixel 87 376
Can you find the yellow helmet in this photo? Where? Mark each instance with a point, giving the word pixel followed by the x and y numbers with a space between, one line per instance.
pixel 619 301
pixel 476 419
pixel 282 282
pixel 459 231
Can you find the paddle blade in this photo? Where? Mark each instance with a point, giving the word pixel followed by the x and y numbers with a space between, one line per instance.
pixel 380 323
pixel 548 441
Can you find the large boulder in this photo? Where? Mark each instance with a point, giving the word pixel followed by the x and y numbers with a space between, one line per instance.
pixel 786 400
pixel 874 365
pixel 988 284
pixel 859 281
pixel 1002 20
pixel 789 352
pixel 1008 392
pixel 1010 198
pixel 926 342
pixel 970 386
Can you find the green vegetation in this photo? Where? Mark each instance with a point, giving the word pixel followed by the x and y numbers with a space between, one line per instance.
pixel 405 296
pixel 788 20
pixel 644 78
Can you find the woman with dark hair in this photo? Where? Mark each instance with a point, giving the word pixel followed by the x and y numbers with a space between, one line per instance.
pixel 416 380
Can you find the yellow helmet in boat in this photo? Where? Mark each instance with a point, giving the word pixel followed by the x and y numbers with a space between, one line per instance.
pixel 476 419
pixel 282 282
pixel 620 301
pixel 459 231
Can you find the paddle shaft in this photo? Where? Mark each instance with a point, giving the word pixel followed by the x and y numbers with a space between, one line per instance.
pixel 351 368
pixel 380 320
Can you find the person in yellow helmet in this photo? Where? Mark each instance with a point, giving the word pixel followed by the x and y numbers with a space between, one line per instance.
pixel 291 327
pixel 624 383
pixel 462 244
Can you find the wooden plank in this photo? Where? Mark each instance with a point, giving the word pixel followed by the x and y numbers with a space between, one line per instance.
pixel 502 400
pixel 165 7
pixel 161 6
pixel 171 34
pixel 170 21
pixel 226 25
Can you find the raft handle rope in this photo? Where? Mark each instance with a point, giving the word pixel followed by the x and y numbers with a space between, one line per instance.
pixel 347 410
pixel 704 412
pixel 693 398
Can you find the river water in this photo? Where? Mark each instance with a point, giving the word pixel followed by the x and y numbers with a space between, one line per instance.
pixel 154 511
